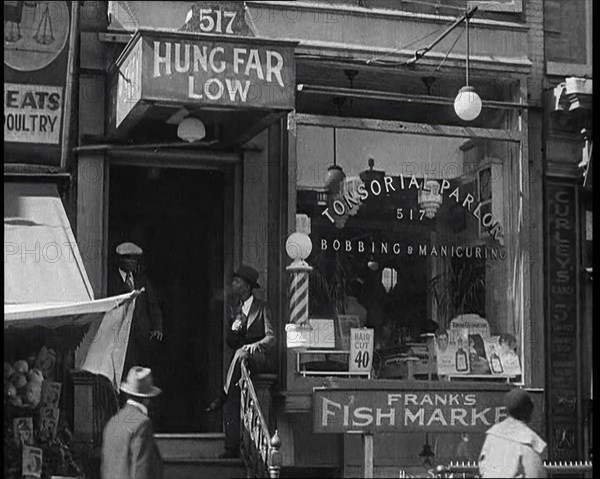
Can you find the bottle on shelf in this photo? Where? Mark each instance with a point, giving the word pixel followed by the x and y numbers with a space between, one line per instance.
pixel 462 363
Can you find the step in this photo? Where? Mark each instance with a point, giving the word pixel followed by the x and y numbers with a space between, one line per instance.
pixel 190 446
pixel 198 468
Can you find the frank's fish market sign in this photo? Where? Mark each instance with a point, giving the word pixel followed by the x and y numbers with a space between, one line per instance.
pixel 201 69
pixel 340 411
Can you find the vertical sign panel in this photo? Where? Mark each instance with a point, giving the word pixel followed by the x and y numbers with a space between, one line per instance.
pixel 38 65
pixel 562 322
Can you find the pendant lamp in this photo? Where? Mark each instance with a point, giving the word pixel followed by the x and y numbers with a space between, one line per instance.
pixel 467 104
pixel 335 174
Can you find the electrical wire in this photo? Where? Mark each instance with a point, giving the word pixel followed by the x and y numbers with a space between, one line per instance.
pixel 404 47
pixel 439 67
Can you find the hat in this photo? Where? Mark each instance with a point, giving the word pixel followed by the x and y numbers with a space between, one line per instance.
pixel 249 274
pixel 129 249
pixel 518 403
pixel 139 383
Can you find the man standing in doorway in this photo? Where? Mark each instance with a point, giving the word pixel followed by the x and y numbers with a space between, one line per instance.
pixel 252 337
pixel 147 323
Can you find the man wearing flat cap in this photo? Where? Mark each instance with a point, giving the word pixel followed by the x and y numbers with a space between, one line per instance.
pixel 252 337
pixel 511 448
pixel 128 447
pixel 146 323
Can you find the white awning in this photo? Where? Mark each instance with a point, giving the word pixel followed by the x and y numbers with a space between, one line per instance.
pixel 53 315
pixel 42 263
pixel 102 349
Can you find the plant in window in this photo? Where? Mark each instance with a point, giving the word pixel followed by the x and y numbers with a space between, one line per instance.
pixel 459 290
pixel 328 282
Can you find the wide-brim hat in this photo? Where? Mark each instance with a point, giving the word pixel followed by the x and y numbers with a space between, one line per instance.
pixel 129 249
pixel 139 383
pixel 249 274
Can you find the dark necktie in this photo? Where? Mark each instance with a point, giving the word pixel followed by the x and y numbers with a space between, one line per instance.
pixel 242 317
pixel 129 281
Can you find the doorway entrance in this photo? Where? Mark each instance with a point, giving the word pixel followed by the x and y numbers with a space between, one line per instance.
pixel 177 216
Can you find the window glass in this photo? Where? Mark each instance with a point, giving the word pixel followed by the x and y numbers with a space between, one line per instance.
pixel 420 236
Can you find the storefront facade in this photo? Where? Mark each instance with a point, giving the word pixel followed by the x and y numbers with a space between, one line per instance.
pixel 434 219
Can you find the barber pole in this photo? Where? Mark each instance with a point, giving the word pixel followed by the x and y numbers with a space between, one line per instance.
pixel 299 295
pixel 298 247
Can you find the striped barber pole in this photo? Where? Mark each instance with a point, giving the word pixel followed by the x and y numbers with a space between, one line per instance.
pixel 299 297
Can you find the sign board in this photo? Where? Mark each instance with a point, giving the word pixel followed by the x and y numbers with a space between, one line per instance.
pixel 361 350
pixel 373 411
pixel 474 324
pixel 563 351
pixel 38 60
pixel 211 71
pixel 225 18
pixel 345 324
pixel 32 113
pixel 322 334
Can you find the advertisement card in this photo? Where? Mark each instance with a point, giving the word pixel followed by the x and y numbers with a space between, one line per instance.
pixel 451 350
pixel 345 323
pixel 48 423
pixel 32 461
pixel 502 355
pixel 22 425
pixel 361 349
pixel 50 393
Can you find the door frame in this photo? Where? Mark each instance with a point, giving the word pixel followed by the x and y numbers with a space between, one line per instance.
pixel 230 163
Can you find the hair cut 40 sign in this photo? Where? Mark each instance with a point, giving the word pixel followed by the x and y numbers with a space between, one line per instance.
pixel 361 350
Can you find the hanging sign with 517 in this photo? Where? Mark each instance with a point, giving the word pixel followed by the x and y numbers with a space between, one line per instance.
pixel 222 18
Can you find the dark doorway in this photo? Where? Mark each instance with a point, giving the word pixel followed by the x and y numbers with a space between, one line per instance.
pixel 177 217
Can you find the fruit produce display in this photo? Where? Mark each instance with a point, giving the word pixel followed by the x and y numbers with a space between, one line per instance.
pixel 34 434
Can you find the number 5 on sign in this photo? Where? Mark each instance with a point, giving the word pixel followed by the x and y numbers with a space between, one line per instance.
pixel 361 350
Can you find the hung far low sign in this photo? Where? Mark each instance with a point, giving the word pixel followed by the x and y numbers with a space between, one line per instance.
pixel 373 411
pixel 202 70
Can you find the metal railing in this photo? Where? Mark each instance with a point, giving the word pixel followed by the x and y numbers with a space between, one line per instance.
pixel 471 469
pixel 260 451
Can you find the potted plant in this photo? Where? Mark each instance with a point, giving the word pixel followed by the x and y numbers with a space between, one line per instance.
pixel 459 290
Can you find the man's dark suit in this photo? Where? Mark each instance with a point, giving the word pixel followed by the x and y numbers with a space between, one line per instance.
pixel 258 329
pixel 146 317
pixel 128 447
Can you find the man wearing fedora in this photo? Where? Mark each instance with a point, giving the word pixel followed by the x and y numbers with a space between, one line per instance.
pixel 147 323
pixel 128 447
pixel 252 337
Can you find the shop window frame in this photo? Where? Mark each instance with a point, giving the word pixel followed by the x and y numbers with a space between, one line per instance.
pixel 518 136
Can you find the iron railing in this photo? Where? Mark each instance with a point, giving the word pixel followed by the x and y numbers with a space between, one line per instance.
pixel 471 469
pixel 260 451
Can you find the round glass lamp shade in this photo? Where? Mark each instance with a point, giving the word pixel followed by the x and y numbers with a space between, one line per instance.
pixel 333 179
pixel 298 246
pixel 191 129
pixel 467 104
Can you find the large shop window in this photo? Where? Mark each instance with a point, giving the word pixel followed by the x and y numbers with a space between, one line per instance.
pixel 419 238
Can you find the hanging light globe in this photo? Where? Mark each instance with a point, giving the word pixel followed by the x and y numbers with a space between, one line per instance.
pixel 467 104
pixel 191 129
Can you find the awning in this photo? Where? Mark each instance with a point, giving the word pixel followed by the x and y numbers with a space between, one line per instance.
pixel 103 347
pixel 42 263
pixel 46 285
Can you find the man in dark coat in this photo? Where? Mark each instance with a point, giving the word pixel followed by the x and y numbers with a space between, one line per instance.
pixel 252 337
pixel 128 447
pixel 147 323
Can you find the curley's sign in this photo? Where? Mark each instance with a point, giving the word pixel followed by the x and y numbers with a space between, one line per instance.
pixel 341 411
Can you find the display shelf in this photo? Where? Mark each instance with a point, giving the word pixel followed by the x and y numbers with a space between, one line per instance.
pixel 305 373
